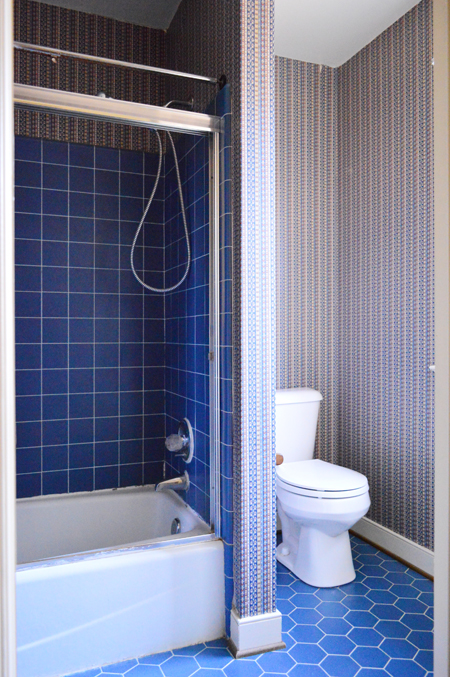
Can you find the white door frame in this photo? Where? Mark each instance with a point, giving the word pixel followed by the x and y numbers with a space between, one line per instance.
pixel 442 306
pixel 7 349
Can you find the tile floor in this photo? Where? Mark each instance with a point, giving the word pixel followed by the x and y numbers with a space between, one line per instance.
pixel 379 625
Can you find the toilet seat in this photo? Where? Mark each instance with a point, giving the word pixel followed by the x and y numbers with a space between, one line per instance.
pixel 319 479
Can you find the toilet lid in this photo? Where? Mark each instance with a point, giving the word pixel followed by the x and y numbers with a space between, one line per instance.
pixel 330 480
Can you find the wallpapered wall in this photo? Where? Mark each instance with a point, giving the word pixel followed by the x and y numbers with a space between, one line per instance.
pixel 355 250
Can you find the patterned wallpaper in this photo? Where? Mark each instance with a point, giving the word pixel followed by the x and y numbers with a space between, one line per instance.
pixel 42 24
pixel 386 302
pixel 355 249
pixel 306 151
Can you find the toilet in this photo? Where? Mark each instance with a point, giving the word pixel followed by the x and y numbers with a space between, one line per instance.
pixel 317 502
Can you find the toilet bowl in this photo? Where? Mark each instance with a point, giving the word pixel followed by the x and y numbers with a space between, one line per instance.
pixel 316 513
pixel 318 502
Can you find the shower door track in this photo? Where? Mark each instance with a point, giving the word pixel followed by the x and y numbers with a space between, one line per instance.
pixel 72 104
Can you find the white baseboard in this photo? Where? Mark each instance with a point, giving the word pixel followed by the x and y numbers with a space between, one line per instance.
pixel 401 547
pixel 255 634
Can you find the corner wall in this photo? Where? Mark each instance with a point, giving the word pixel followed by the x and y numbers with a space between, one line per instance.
pixel 355 251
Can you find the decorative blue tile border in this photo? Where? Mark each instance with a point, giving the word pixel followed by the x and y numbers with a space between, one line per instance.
pixel 254 454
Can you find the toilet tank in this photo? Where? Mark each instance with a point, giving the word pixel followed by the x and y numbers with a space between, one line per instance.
pixel 296 414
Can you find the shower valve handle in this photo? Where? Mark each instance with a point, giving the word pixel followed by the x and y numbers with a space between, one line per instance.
pixel 176 442
pixel 183 442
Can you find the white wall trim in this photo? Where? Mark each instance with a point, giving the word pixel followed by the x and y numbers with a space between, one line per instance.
pixel 441 54
pixel 255 634
pixel 399 546
pixel 7 348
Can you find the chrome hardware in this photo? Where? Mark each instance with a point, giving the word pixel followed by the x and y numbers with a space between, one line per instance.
pixel 176 526
pixel 183 442
pixel 432 367
pixel 177 483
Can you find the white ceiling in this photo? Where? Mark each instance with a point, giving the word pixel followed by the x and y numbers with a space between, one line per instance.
pixel 330 32
pixel 154 13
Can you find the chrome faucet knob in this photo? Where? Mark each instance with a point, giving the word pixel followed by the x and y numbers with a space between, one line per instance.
pixel 183 442
pixel 176 442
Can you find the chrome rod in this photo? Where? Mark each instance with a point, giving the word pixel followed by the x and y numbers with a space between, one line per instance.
pixel 50 51
pixel 113 110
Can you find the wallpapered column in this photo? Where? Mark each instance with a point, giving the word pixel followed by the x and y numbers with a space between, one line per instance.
pixel 254 469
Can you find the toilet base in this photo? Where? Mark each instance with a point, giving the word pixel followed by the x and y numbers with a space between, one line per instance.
pixel 318 559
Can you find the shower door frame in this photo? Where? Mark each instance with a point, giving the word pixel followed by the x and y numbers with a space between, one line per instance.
pixel 72 104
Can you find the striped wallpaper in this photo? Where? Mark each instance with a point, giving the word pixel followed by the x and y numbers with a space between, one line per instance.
pixel 355 251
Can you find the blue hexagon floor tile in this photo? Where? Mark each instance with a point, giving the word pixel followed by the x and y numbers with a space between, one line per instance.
pixel 380 625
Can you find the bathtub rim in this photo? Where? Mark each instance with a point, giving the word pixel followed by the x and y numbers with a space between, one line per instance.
pixel 169 540
pixel 116 551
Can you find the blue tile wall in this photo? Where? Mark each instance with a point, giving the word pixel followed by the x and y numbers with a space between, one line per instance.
pixel 187 313
pixel 90 342
pixel 222 108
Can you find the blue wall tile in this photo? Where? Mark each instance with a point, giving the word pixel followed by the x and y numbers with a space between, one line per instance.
pixel 71 305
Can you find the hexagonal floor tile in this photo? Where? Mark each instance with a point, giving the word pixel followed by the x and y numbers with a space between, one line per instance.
pixel 330 594
pixel 422 640
pixel 417 622
pixel 369 657
pixel 393 629
pixel 307 653
pixel 377 583
pixel 404 591
pixel 214 658
pixel 340 666
pixel 411 606
pixel 372 571
pixel 354 589
pixel 334 626
pixel 361 619
pixel 423 584
pixel 243 669
pixel 299 586
pixel 332 609
pixel 337 644
pixel 180 666
pixel 304 601
pixel 305 671
pixel 398 648
pixel 425 659
pixel 427 598
pixel 382 596
pixel 365 637
pixel 306 616
pixel 401 579
pixel 306 633
pixel 276 661
pixel 145 671
pixel 192 650
pixel 284 592
pixel 357 603
pixel 396 668
pixel 386 612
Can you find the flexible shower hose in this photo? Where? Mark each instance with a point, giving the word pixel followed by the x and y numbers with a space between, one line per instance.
pixel 183 212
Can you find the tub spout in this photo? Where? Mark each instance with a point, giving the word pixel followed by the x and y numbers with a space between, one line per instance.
pixel 177 483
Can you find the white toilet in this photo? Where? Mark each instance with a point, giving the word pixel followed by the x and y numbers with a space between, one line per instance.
pixel 317 502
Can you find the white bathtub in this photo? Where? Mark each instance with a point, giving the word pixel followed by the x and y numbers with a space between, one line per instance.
pixel 100 579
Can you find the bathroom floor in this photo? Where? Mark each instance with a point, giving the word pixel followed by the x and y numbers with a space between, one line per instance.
pixel 381 624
